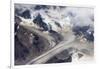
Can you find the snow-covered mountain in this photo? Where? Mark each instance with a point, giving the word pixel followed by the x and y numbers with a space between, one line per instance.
pixel 56 18
pixel 53 21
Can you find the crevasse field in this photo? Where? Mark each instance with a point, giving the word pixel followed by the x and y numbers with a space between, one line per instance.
pixel 53 34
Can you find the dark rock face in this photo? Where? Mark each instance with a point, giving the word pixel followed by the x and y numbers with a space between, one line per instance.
pixel 61 58
pixel 58 24
pixel 56 60
pixel 80 30
pixel 20 50
pixel 84 31
pixel 36 43
pixel 84 28
pixel 40 43
pixel 58 37
pixel 89 36
pixel 77 30
pixel 38 20
pixel 80 55
pixel 62 6
pixel 38 7
pixel 26 14
pixel 17 22
pixel 24 46
pixel 16 27
pixel 17 12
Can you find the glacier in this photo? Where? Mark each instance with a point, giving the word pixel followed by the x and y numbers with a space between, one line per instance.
pixel 53 34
